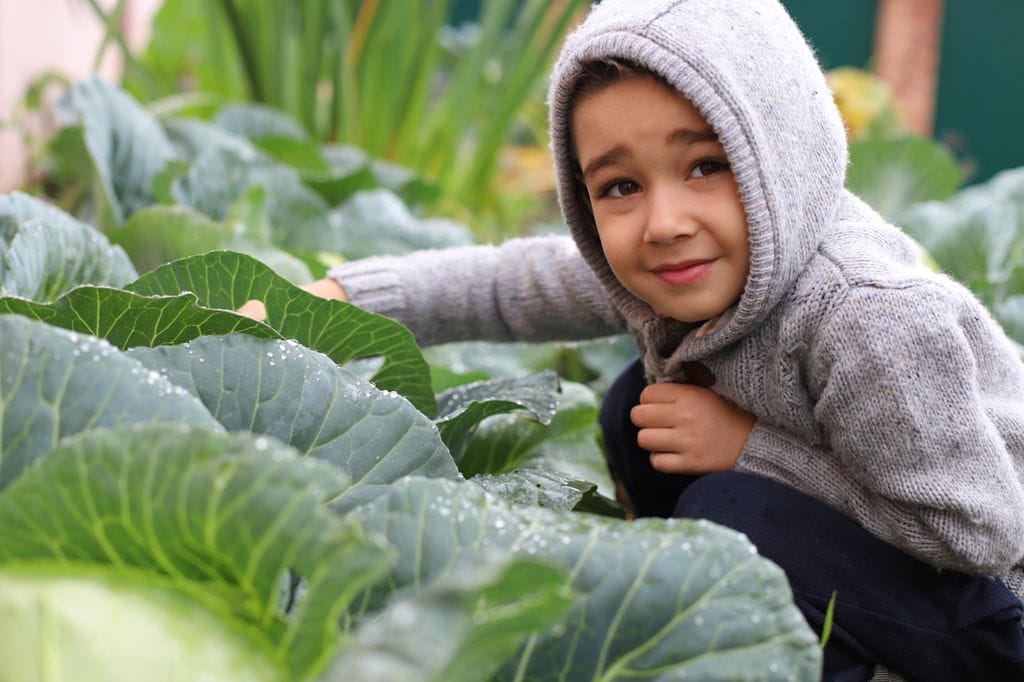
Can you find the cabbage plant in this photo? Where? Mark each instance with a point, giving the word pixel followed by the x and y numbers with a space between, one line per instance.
pixel 190 494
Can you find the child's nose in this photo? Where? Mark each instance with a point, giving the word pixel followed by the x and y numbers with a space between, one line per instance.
pixel 669 216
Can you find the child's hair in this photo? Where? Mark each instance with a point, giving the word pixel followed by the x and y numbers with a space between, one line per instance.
pixel 597 75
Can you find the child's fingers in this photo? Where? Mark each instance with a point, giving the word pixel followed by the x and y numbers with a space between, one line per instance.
pixel 670 463
pixel 254 309
pixel 655 415
pixel 666 393
pixel 658 440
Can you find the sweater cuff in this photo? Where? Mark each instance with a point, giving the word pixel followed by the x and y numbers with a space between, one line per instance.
pixel 371 284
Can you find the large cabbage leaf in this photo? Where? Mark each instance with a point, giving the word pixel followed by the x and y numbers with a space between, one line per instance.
pixel 461 629
pixel 44 252
pixel 231 520
pixel 126 143
pixel 343 332
pixel 301 397
pixel 656 599
pixel 55 383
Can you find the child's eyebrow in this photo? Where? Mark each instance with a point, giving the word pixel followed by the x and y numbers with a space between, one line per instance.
pixel 690 136
pixel 609 158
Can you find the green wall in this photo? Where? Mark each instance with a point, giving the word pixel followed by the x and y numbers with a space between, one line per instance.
pixel 981 76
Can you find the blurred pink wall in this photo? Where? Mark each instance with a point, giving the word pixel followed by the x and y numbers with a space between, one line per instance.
pixel 39 36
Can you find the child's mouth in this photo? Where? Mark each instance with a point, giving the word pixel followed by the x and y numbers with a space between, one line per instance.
pixel 684 272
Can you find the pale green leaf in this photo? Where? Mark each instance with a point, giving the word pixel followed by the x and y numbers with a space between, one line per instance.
pixel 48 252
pixel 894 173
pixel 655 599
pixel 302 398
pixel 459 630
pixel 232 513
pixel 255 121
pixel 127 145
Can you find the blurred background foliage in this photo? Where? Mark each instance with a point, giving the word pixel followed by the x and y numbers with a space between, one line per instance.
pixel 308 132
pixel 460 104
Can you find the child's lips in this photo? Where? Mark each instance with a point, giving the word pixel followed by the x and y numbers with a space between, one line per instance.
pixel 683 272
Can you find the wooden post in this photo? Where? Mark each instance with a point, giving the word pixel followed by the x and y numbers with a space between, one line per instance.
pixel 908 39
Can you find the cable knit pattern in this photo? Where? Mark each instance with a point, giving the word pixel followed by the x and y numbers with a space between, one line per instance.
pixel 881 388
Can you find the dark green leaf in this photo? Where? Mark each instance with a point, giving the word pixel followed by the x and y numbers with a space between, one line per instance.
pixel 227 280
pixel 54 384
pixel 126 319
pixel 504 442
pixel 461 409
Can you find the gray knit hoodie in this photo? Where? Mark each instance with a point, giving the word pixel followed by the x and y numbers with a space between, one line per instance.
pixel 880 388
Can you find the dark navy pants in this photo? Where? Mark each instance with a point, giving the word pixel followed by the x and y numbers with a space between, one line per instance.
pixel 891 609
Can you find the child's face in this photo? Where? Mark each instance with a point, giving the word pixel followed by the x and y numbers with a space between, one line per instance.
pixel 665 201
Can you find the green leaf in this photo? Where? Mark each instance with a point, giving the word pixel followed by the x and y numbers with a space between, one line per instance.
pixel 656 598
pixel 503 442
pixel 64 626
pixel 376 222
pixel 893 173
pixel 126 319
pixel 461 409
pixel 302 398
pixel 220 175
pixel 128 147
pixel 506 360
pixel 156 235
pixel 160 234
pixel 54 384
pixel 233 513
pixel 459 630
pixel 49 252
pixel 302 155
pixel 978 236
pixel 192 137
pixel 350 170
pixel 256 121
pixel 341 331
pixel 535 486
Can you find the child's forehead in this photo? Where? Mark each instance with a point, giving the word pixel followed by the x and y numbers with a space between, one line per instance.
pixel 635 95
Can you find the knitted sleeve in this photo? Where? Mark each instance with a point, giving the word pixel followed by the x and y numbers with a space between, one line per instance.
pixel 922 406
pixel 533 289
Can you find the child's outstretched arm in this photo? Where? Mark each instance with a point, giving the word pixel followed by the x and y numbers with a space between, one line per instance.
pixel 690 429
pixel 531 289
pixel 920 400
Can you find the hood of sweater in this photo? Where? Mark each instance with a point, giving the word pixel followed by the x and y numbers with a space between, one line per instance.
pixel 748 70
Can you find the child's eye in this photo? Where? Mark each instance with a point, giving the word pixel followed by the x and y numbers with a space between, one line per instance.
pixel 709 167
pixel 619 188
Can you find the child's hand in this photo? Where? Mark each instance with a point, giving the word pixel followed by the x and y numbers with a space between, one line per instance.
pixel 324 288
pixel 690 429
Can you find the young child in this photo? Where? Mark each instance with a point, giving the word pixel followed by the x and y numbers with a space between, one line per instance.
pixel 802 378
